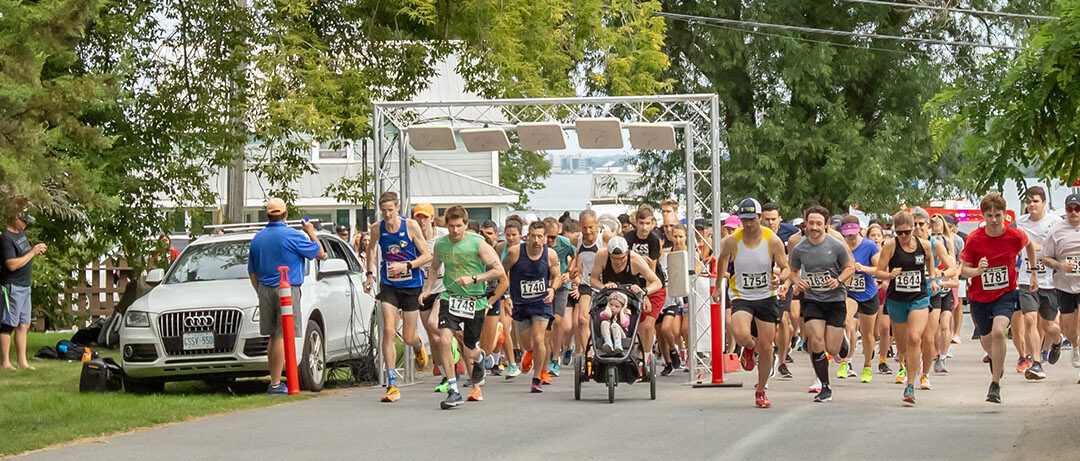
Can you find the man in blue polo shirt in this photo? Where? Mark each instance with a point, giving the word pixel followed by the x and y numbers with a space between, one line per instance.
pixel 278 245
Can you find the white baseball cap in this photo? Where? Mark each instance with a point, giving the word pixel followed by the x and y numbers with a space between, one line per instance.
pixel 617 245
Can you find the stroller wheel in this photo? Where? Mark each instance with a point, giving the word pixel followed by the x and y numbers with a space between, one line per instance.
pixel 578 365
pixel 652 380
pixel 611 384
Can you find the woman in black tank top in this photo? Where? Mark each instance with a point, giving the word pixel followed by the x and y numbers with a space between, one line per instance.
pixel 623 277
pixel 910 285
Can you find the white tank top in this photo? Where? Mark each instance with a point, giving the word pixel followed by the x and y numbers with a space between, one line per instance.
pixel 587 254
pixel 753 268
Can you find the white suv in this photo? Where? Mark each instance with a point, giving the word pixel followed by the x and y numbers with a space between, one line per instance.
pixel 202 321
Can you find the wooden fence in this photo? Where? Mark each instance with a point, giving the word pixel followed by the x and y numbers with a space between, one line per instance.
pixel 98 291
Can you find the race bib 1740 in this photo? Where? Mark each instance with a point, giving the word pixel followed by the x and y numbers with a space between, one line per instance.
pixel 909 281
pixel 533 289
pixel 462 307
pixel 995 278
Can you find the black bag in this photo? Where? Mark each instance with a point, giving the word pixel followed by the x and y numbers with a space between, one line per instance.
pixel 101 376
pixel 47 352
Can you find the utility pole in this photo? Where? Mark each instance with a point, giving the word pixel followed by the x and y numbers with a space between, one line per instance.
pixel 364 174
pixel 234 192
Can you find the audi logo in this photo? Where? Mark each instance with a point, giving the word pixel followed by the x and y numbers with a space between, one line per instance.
pixel 196 321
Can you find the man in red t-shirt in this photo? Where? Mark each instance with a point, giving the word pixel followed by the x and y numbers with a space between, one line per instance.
pixel 989 260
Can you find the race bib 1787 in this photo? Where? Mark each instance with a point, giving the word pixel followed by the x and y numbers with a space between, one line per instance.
pixel 995 278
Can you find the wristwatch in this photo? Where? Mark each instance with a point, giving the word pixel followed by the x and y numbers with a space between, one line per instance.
pixel 474 279
pixel 408 264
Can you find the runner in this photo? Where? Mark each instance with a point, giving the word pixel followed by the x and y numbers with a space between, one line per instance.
pixel 561 326
pixel 512 233
pixel 670 322
pixel 753 250
pixel 424 214
pixel 940 232
pixel 402 250
pixel 904 262
pixel 534 274
pixel 862 291
pixel 588 245
pixel 647 244
pixel 883 329
pixel 1041 303
pixel 990 260
pixel 468 261
pixel 617 265
pixel 942 259
pixel 827 266
pixel 770 217
pixel 495 291
pixel 1061 253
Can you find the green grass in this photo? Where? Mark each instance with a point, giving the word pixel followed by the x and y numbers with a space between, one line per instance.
pixel 43 407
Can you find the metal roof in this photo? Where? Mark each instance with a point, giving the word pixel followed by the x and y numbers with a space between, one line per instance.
pixel 430 180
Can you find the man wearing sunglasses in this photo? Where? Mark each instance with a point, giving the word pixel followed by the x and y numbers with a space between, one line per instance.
pixel 560 328
pixel 1027 324
pixel 1061 252
pixel 989 259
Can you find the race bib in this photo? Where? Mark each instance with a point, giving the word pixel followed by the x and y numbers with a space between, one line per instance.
pixel 533 289
pixel 1075 260
pixel 909 282
pixel 858 282
pixel 462 307
pixel 402 277
pixel 1039 267
pixel 995 278
pixel 754 281
pixel 819 281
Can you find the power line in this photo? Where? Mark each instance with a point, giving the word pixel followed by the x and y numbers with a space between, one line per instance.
pixel 955 10
pixel 823 42
pixel 708 20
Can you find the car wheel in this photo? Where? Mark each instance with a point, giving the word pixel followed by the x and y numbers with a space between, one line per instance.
pixel 313 365
pixel 144 386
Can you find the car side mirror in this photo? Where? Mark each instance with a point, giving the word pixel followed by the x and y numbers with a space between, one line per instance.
pixel 155 276
pixel 333 267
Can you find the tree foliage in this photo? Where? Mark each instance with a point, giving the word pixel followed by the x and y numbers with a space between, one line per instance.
pixel 1019 113
pixel 829 118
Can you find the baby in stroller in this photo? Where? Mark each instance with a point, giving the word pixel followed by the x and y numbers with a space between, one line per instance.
pixel 614 320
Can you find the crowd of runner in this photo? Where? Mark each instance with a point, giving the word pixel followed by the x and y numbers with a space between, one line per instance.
pixel 519 301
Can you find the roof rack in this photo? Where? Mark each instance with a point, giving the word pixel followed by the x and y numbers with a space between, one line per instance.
pixel 256 226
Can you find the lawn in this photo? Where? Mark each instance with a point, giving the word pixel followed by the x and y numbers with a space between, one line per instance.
pixel 43 407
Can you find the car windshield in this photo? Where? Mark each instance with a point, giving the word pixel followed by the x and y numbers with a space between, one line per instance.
pixel 212 261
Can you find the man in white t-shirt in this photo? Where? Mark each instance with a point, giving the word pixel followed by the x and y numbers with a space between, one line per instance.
pixel 1061 252
pixel 1038 309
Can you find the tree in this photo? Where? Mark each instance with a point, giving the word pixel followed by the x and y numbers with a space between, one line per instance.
pixel 1024 115
pixel 805 116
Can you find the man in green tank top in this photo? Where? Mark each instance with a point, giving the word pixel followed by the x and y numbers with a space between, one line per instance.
pixel 468 262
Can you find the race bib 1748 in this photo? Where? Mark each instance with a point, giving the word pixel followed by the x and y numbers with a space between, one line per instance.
pixel 462 307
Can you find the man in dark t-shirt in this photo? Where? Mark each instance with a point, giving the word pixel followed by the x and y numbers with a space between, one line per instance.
pixel 645 243
pixel 16 255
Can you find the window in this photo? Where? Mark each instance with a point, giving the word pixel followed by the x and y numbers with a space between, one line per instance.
pixel 476 214
pixel 331 151
pixel 215 261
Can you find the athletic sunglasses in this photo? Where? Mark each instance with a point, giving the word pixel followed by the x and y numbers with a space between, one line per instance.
pixel 903 232
pixel 1072 209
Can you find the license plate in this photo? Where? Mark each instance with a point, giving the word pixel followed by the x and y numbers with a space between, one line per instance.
pixel 197 341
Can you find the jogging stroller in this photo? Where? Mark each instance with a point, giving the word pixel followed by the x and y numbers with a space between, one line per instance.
pixel 618 367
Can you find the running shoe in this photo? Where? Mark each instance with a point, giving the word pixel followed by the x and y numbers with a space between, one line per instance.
pixel 956 339
pixel 891 353
pixel 783 371
pixel 489 361
pixel 282 389
pixel 1066 344
pixel 994 395
pixel 453 399
pixel 944 366
pixel 948 353
pixel 496 370
pixel 554 369
pixel 667 370
pixel 607 347
pixel 477 375
pixel 443 387
pixel 747 359
pixel 1021 365
pixel 760 400
pixel 815 386
pixel 788 359
pixel 986 357
pixel 867 374
pixel 1035 372
pixel 1055 353
pixel 536 387
pixel 772 369
pixel 675 363
pixel 392 394
pixel 420 360
pixel 924 383
pixel 1075 357
pixel 851 371
pixel 1045 356
pixel 566 356
pixel 938 366
pixel 824 396
pixel 884 369
pixel 901 375
pixel 526 361
pixel 475 395
pixel 841 371
pixel 513 371
pixel 909 394
pixel 545 378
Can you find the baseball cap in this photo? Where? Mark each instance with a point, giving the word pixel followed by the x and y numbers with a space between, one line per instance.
pixel 950 219
pixel 836 220
pixel 26 218
pixel 275 206
pixel 733 222
pixel 795 222
pixel 617 245
pixel 749 208
pixel 424 209
pixel 531 218
pixel 340 228
pixel 850 228
pixel 701 222
pixel 1072 199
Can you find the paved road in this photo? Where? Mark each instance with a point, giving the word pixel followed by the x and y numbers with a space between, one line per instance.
pixel 864 421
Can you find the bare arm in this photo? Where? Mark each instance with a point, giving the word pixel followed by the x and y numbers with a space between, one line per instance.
pixel 652 282
pixel 491 259
pixel 887 250
pixel 436 264
pixel 595 278
pixel 417 237
pixel 948 276
pixel 1031 251
pixel 373 243
pixel 554 273
pixel 511 258
pixel 254 280
pixel 727 248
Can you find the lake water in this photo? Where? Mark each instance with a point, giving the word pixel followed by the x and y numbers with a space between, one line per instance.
pixel 563 192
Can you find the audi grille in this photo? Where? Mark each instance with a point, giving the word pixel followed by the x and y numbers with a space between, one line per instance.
pixel 224 323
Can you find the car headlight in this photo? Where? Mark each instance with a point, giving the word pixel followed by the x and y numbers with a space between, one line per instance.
pixel 137 319
pixel 255 315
